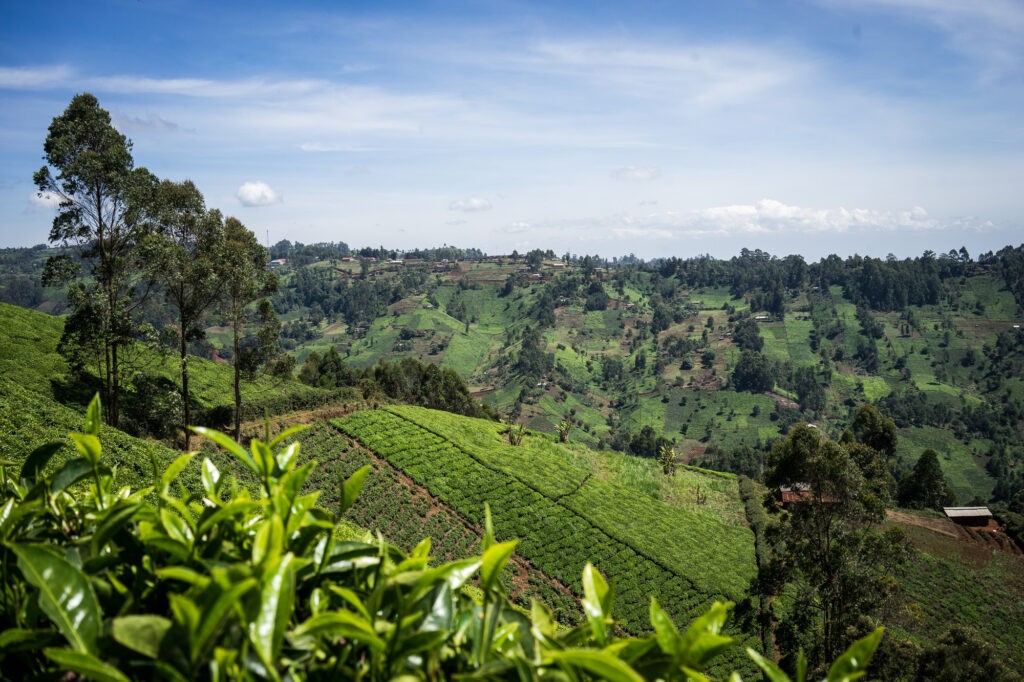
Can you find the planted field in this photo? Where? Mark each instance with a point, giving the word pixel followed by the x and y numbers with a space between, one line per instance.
pixel 776 341
pixel 798 337
pixel 875 388
pixel 563 514
pixel 29 359
pixel 979 587
pixel 714 298
pixel 727 419
pixel 406 513
pixel 996 302
pixel 28 347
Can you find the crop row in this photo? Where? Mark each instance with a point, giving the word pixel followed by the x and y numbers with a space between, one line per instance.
pixel 405 515
pixel 384 503
pixel 551 476
pixel 555 538
pixel 719 557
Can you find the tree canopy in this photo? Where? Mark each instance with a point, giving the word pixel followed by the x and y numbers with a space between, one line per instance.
pixel 754 372
pixel 825 547
pixel 183 253
pixel 925 487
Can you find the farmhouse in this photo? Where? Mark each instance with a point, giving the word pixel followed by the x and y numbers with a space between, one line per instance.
pixel 800 493
pixel 968 516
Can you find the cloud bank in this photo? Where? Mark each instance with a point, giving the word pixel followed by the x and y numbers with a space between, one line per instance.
pixel 773 217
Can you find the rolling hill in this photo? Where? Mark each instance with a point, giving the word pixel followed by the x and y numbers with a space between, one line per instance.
pixel 569 503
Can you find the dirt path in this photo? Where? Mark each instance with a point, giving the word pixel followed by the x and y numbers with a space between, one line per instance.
pixel 944 526
pixel 783 401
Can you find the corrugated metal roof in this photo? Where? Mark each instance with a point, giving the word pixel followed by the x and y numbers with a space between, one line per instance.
pixel 963 512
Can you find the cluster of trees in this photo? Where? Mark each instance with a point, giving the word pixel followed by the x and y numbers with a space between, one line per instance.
pixel 824 549
pixel 132 235
pixel 406 381
pixel 356 301
pixel 20 285
pixel 882 284
pixel 533 362
pixel 925 487
pixel 298 254
pixel 753 372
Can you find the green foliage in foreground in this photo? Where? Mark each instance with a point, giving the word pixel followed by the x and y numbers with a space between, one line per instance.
pixel 160 583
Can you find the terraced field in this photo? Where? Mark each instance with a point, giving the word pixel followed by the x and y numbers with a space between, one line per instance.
pixel 563 514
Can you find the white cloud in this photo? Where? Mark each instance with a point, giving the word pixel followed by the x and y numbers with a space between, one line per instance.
pixel 201 87
pixel 707 74
pixel 320 147
pixel 257 194
pixel 517 227
pixel 471 205
pixel 32 77
pixel 642 233
pixel 767 217
pixel 772 216
pixel 636 173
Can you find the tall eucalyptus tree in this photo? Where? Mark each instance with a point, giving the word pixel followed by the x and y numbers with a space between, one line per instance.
pixel 182 255
pixel 102 199
pixel 246 278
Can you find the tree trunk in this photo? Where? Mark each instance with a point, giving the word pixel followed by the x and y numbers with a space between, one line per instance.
pixel 113 375
pixel 238 382
pixel 108 379
pixel 114 411
pixel 184 388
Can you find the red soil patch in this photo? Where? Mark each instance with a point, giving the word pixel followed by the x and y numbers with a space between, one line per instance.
pixel 974 545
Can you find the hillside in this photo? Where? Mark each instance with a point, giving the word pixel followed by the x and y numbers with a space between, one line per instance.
pixel 625 359
pixel 434 471
pixel 561 511
pixel 29 359
pixel 618 348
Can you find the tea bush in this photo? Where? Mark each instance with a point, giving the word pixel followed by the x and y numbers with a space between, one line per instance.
pixel 113 584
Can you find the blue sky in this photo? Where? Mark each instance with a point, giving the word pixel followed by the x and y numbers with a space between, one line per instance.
pixel 654 128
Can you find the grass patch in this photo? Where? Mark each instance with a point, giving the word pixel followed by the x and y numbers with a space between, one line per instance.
pixel 956 459
pixel 875 388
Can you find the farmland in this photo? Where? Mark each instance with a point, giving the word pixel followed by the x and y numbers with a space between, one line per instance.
pixel 562 513
pixel 655 363
pixel 979 587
